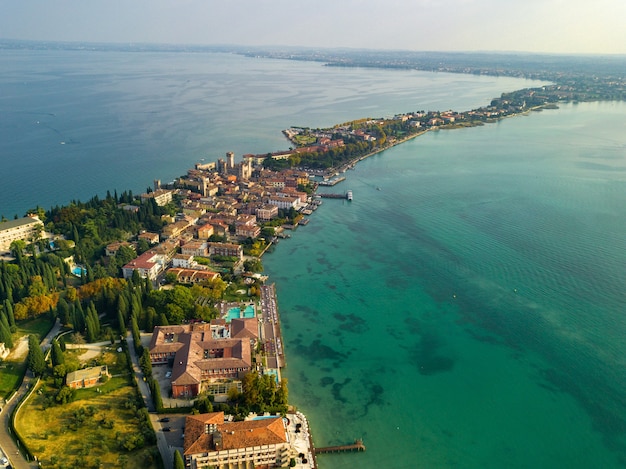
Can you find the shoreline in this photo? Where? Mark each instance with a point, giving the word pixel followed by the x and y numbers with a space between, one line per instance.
pixel 331 171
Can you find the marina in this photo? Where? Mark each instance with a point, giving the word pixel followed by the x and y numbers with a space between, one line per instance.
pixel 331 182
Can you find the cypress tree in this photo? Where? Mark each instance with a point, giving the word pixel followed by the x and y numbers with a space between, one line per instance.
pixel 122 306
pixel 36 360
pixel 90 330
pixel 78 321
pixel 78 306
pixel 93 315
pixel 135 308
pixel 136 334
pixel 162 320
pixel 178 461
pixel 89 274
pixel 5 336
pixel 121 323
pixel 56 354
pixel 63 311
pixel 8 307
pixel 4 320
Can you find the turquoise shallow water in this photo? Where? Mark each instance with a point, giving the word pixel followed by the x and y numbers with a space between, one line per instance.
pixel 466 309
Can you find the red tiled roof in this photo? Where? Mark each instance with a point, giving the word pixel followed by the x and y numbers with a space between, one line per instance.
pixel 235 435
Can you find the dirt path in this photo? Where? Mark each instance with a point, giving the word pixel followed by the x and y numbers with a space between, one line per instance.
pixel 20 351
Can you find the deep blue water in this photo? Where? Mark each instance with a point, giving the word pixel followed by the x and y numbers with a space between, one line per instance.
pixel 74 124
pixel 465 310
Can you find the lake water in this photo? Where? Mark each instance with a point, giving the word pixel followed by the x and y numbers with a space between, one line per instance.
pixel 465 310
pixel 74 124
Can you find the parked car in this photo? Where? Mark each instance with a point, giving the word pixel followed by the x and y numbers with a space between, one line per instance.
pixel 165 419
pixel 167 429
pixel 168 374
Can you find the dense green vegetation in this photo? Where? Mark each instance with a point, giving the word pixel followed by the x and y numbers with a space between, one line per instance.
pixel 259 394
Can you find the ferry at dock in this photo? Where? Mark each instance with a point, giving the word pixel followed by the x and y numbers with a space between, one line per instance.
pixel 349 196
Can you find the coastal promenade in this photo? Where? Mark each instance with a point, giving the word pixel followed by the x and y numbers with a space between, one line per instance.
pixel 271 328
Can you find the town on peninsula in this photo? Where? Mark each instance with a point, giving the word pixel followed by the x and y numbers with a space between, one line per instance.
pixel 140 329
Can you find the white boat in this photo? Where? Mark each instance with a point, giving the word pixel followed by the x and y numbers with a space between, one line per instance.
pixel 349 195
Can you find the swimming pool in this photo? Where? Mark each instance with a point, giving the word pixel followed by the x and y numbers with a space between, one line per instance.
pixel 236 313
pixel 79 271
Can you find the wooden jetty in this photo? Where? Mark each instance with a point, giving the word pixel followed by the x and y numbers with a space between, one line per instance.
pixel 356 446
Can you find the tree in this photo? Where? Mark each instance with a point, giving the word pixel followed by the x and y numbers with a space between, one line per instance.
pixel 121 323
pixel 17 247
pixel 8 307
pixel 36 360
pixel 124 255
pixel 253 265
pixel 65 395
pixel 5 336
pixel 63 311
pixel 178 461
pixel 57 356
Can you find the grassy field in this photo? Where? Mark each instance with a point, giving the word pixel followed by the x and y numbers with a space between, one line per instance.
pixel 11 373
pixel 304 140
pixel 12 370
pixel 38 326
pixel 98 429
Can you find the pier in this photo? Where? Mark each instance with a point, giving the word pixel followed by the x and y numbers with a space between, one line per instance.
pixel 329 195
pixel 356 446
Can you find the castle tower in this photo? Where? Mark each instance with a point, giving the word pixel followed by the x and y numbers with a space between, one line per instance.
pixel 231 159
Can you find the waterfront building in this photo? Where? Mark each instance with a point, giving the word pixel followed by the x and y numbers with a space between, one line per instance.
pixel 284 202
pixel 248 231
pixel 20 229
pixel 212 442
pixel 203 354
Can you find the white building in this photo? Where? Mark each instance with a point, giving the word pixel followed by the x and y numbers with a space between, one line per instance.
pixel 20 229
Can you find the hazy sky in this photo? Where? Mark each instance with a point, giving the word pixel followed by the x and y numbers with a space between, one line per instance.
pixel 560 26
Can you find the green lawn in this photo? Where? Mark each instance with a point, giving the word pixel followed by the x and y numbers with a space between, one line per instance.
pixel 39 326
pixel 11 374
pixel 97 429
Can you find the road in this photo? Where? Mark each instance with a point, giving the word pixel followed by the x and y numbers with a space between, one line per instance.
pixel 11 449
pixel 7 444
pixel 271 328
pixel 144 389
